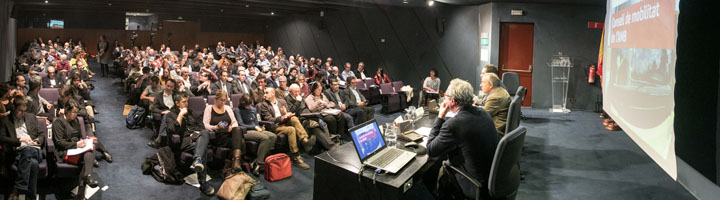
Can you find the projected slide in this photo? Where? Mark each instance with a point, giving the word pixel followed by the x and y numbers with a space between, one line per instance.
pixel 639 74
pixel 56 24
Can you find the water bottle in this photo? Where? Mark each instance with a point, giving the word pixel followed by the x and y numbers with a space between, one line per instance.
pixel 391 136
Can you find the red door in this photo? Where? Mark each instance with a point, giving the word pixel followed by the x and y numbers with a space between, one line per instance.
pixel 516 53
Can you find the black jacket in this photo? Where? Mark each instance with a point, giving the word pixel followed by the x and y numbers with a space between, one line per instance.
pixel 8 137
pixel 469 140
pixel 349 97
pixel 66 134
pixel 59 82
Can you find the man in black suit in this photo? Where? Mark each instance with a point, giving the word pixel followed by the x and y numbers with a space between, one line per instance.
pixel 355 100
pixel 52 80
pixel 20 135
pixel 223 84
pixel 468 139
pixel 352 115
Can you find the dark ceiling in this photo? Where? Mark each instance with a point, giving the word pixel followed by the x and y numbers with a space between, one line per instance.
pixel 240 8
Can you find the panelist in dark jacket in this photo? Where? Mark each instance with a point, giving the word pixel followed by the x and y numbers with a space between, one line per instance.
pixel 468 139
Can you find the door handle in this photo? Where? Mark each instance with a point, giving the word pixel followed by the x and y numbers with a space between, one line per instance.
pixel 517 70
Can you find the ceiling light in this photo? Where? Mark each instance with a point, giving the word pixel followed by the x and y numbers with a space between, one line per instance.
pixel 247 5
pixel 431 2
pixel 222 10
pixel 46 1
pixel 405 1
pixel 272 13
pixel 109 4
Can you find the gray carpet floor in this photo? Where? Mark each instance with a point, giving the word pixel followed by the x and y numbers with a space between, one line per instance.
pixel 568 156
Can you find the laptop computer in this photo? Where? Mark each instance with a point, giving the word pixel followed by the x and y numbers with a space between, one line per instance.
pixel 370 147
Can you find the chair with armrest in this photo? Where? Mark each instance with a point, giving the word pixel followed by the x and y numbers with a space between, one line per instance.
pixel 50 94
pixel 197 105
pixel 373 92
pixel 513 117
pixel 504 177
pixel 59 169
pixel 391 101
pixel 397 86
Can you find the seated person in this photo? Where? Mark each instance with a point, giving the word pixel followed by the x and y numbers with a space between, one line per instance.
pixel 67 135
pixel 319 130
pixel 223 84
pixel 259 92
pixel 381 77
pixel 468 147
pixel 203 88
pixel 496 101
pixel 431 87
pixel 20 135
pixel 195 138
pixel 246 115
pixel 352 115
pixel 159 108
pixel 36 104
pixel 317 102
pixel 19 83
pixel 219 118
pixel 276 110
pixel 52 80
pixel 355 100
pixel 181 89
pixel 282 90
pixel 304 86
pixel 81 95
pixel 151 91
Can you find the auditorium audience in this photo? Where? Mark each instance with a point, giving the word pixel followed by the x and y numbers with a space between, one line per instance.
pixel 52 80
pixel 466 147
pixel 313 123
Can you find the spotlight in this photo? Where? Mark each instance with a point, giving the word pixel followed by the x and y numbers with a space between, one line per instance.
pixel 405 1
pixel 272 13
pixel 430 2
pixel 222 10
pixel 247 5
pixel 46 1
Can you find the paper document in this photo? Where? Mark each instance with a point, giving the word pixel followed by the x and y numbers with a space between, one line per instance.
pixel 424 131
pixel 331 111
pixel 78 151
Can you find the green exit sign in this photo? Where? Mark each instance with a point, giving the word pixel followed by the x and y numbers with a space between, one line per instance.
pixel 484 41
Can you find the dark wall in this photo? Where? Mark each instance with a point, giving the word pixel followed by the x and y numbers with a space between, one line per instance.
pixel 696 90
pixel 412 43
pixel 558 28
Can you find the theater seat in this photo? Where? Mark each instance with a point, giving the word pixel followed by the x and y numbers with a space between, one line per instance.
pixel 43 170
pixel 397 86
pixel 390 99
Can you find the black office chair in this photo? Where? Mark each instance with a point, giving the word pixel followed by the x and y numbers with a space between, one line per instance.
pixel 511 80
pixel 522 92
pixel 513 117
pixel 504 177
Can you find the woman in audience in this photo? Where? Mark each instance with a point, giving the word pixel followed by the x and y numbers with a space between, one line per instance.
pixel 67 134
pixel 381 77
pixel 431 87
pixel 246 115
pixel 220 119
pixel 78 62
pixel 317 102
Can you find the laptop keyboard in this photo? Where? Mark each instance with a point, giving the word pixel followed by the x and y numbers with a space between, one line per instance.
pixel 386 158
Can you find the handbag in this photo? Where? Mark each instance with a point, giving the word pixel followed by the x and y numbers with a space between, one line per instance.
pixel 236 186
pixel 277 167
pixel 258 192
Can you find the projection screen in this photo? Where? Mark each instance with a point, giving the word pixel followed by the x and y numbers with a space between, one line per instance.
pixel 639 74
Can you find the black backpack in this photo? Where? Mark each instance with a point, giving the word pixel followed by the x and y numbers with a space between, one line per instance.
pixel 162 167
pixel 135 118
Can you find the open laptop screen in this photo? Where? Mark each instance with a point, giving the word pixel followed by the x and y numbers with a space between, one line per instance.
pixel 367 139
